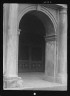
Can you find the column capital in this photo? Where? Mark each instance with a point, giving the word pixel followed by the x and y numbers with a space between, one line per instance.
pixel 52 37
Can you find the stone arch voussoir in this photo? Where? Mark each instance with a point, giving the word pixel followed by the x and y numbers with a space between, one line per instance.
pixel 39 8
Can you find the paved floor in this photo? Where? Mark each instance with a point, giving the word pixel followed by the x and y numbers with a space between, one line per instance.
pixel 35 82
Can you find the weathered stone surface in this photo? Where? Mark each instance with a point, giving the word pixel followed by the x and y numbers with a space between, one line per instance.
pixel 13 83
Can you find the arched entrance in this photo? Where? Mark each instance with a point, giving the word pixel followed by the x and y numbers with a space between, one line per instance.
pixel 35 27
pixel 50 24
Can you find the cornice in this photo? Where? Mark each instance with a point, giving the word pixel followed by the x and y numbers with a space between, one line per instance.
pixel 62 5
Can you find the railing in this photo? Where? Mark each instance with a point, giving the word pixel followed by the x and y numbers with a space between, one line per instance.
pixel 35 66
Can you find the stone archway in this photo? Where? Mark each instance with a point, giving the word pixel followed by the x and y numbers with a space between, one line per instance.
pixel 51 38
pixel 38 8
pixel 13 34
pixel 51 17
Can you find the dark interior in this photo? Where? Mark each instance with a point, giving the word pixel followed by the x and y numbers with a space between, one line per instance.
pixel 31 56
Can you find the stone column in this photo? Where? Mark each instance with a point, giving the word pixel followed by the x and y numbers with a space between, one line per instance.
pixel 63 45
pixel 12 42
pixel 11 79
pixel 5 14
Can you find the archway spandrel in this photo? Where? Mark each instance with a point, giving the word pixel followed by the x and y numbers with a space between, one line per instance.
pixel 39 8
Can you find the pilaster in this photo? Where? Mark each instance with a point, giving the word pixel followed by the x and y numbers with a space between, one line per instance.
pixel 62 46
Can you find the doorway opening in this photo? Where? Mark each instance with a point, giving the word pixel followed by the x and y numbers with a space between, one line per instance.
pixel 31 56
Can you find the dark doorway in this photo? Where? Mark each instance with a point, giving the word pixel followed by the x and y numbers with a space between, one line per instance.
pixel 31 57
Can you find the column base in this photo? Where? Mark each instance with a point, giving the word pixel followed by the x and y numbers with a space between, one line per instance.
pixel 48 78
pixel 12 82
pixel 61 78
